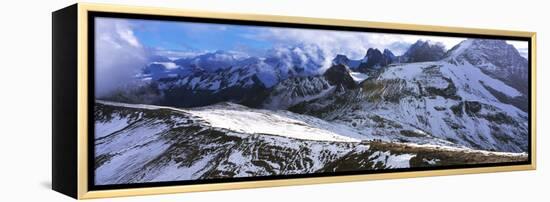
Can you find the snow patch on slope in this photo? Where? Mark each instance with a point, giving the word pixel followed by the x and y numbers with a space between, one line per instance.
pixel 468 74
pixel 111 126
pixel 358 77
pixel 280 123
pixel 390 160
pixel 462 47
pixel 254 121
pixel 285 100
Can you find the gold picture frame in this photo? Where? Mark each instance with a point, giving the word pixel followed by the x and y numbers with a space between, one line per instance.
pixel 78 187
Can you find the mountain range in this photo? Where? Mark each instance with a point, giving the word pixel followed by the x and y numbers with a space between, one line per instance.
pixel 287 114
pixel 231 76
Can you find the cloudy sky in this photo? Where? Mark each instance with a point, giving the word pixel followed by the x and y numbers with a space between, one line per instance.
pixel 181 37
pixel 122 44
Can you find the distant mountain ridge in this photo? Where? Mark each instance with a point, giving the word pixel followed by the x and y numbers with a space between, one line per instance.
pixel 423 51
pixel 231 76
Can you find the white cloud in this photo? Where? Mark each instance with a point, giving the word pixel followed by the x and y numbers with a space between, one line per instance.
pixel 127 34
pixel 174 54
pixel 118 55
pixel 352 44
pixel 310 57
pixel 332 42
pixel 167 65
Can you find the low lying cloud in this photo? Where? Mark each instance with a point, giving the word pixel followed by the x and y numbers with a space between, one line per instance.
pixel 311 58
pixel 174 55
pixel 352 44
pixel 119 56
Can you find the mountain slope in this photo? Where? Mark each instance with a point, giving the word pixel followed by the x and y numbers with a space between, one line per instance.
pixel 453 102
pixel 296 90
pixel 496 58
pixel 144 143
pixel 300 89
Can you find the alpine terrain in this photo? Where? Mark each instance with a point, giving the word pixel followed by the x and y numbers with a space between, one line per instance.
pixel 224 115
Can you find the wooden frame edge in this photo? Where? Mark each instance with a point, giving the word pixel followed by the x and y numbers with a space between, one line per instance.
pixel 82 101
pixel 85 193
pixel 295 182
pixel 533 117
pixel 296 19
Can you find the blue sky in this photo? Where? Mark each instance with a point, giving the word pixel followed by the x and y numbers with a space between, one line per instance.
pixel 256 40
pixel 196 36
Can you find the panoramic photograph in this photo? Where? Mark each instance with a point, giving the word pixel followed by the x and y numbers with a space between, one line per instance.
pixel 187 101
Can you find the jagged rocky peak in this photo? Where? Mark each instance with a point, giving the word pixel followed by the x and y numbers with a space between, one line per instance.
pixel 340 75
pixel 373 51
pixel 423 51
pixel 479 51
pixel 341 59
pixel 375 59
pixel 389 55
pixel 496 58
pixel 374 56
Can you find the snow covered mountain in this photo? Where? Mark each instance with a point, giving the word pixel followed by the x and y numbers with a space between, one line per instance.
pixel 146 143
pixel 223 76
pixel 212 61
pixel 495 58
pixel 451 99
pixel 300 89
pixel 471 96
pixel 296 90
pixel 458 103
pixel 239 83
